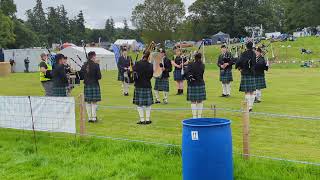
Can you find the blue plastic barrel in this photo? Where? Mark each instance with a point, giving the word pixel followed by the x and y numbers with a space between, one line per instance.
pixel 207 149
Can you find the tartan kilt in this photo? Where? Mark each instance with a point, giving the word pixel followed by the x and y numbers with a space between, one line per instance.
pixel 248 83
pixel 196 93
pixel 92 93
pixel 177 75
pixel 120 76
pixel 260 82
pixel 59 91
pixel 226 76
pixel 143 97
pixel 162 84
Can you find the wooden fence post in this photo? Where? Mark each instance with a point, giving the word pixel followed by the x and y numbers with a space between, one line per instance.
pixel 246 122
pixel 82 114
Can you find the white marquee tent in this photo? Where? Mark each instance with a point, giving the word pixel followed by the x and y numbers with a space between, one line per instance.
pixel 18 55
pixel 131 43
pixel 105 57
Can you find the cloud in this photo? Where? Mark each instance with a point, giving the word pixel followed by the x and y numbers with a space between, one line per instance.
pixel 95 11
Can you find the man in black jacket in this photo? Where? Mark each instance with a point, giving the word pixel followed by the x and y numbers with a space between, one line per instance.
pixel 125 75
pixel 260 67
pixel 59 77
pixel 246 64
pixel 143 90
pixel 225 63
pixel 162 83
pixel 91 74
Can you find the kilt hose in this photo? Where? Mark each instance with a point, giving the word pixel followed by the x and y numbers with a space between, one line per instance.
pixel 177 75
pixel 248 83
pixel 120 76
pixel 260 82
pixel 143 97
pixel 162 84
pixel 59 92
pixel 196 93
pixel 226 76
pixel 92 93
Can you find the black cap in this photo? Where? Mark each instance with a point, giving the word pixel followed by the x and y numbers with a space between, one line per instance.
pixel 162 51
pixel 223 46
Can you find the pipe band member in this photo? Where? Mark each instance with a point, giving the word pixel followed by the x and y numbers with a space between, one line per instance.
pixel 260 67
pixel 45 70
pixel 178 75
pixel 143 97
pixel 246 64
pixel 162 83
pixel 59 77
pixel 196 85
pixel 91 74
pixel 124 66
pixel 225 63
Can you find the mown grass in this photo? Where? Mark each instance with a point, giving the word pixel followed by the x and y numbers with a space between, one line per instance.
pixel 71 157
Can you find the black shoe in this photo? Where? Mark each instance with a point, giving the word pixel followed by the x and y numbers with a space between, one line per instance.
pixel 250 110
pixel 228 95
pixel 179 92
pixel 141 122
pixel 126 94
pixel 257 101
pixel 223 95
pixel 90 121
pixel 148 122
pixel 157 101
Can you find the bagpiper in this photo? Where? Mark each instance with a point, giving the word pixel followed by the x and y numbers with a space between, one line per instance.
pixel 125 65
pixel 260 67
pixel 196 93
pixel 246 64
pixel 59 77
pixel 179 62
pixel 143 97
pixel 225 63
pixel 162 83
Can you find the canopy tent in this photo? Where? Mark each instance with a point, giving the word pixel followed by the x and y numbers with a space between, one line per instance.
pixel 132 44
pixel 220 37
pixel 19 55
pixel 105 57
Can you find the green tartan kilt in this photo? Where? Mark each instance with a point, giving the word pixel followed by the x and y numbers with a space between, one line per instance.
pixel 143 97
pixel 59 91
pixel 162 85
pixel 196 93
pixel 260 82
pixel 120 76
pixel 92 93
pixel 177 75
pixel 226 76
pixel 248 83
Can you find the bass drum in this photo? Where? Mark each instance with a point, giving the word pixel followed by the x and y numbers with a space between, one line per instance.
pixel 156 60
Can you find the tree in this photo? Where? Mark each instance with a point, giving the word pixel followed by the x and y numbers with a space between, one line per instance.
pixel 126 30
pixel 8 7
pixel 158 20
pixel 25 37
pixel 6 31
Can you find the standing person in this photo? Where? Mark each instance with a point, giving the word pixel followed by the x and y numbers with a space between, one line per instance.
pixel 26 64
pixel 92 94
pixel 45 70
pixel 162 83
pixel 196 85
pixel 12 64
pixel 225 63
pixel 178 63
pixel 125 66
pixel 143 90
pixel 246 64
pixel 59 77
pixel 260 67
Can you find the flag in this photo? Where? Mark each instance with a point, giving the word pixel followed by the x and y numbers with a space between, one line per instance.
pixel 116 51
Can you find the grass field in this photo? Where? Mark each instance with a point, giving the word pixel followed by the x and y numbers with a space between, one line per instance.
pixel 291 91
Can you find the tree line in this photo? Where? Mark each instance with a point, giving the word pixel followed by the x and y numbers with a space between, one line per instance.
pixel 207 17
pixel 53 25
pixel 156 20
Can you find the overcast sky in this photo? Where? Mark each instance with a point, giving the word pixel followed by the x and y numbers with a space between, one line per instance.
pixel 95 11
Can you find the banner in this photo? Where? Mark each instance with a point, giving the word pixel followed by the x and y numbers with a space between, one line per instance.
pixel 52 114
